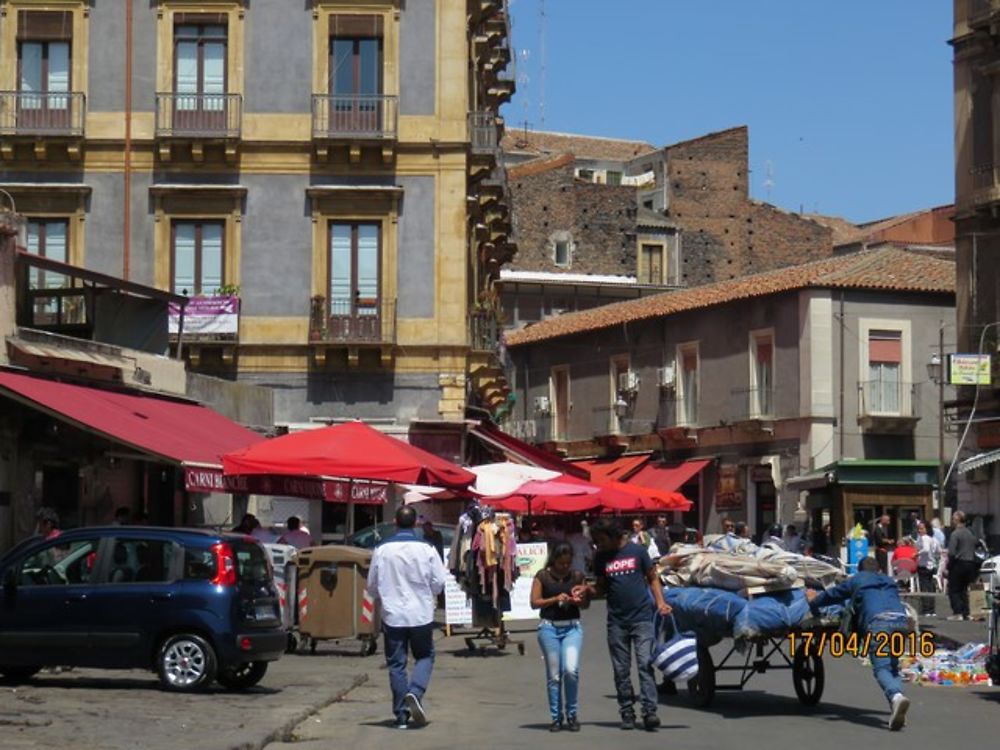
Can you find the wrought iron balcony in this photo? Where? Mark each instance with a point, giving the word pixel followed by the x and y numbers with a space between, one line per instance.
pixel 484 133
pixel 354 116
pixel 608 423
pixel 752 404
pixel 358 321
pixel 199 115
pixel 43 113
pixel 884 406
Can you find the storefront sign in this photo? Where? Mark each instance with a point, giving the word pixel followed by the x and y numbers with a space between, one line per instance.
pixel 729 492
pixel 209 479
pixel 457 604
pixel 969 369
pixel 530 559
pixel 206 316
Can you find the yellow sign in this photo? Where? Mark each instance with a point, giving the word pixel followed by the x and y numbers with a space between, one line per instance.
pixel 969 369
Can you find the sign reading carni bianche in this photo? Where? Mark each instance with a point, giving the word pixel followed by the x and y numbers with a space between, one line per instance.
pixel 209 479
pixel 207 316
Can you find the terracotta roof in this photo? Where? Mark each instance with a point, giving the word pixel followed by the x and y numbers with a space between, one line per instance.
pixel 542 164
pixel 844 232
pixel 884 269
pixel 581 146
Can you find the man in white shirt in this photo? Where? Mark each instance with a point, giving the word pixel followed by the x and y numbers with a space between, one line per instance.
pixel 405 577
pixel 295 535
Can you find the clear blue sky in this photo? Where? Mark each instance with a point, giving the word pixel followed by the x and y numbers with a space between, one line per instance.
pixel 849 102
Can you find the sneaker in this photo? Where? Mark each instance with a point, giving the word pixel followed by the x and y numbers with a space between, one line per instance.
pixel 556 726
pixel 651 722
pixel 417 714
pixel 572 724
pixel 628 721
pixel 402 721
pixel 900 705
pixel 955 618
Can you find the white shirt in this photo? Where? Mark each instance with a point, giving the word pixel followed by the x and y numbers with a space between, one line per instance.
pixel 928 552
pixel 405 576
pixel 297 538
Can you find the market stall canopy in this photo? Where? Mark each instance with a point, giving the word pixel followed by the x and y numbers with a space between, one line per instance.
pixel 547 505
pixel 610 469
pixel 506 478
pixel 491 435
pixel 352 450
pixel 175 430
pixel 667 477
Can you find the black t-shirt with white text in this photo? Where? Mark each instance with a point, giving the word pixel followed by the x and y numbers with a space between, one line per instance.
pixel 625 573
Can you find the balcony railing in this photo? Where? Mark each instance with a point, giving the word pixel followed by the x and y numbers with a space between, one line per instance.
pixel 353 322
pixel 367 116
pixel 199 115
pixel 607 422
pixel 880 399
pixel 484 332
pixel 484 134
pixel 44 113
pixel 752 403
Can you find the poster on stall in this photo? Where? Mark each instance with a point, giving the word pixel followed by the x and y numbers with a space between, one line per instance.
pixel 530 559
pixel 457 604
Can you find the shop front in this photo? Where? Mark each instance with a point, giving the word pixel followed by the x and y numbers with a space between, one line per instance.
pixel 847 493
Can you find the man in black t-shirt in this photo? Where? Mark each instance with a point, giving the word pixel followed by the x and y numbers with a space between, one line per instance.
pixel 628 577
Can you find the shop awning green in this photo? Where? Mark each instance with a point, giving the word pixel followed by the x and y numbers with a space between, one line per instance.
pixel 894 472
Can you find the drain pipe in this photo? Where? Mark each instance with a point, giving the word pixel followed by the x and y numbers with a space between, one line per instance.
pixel 127 202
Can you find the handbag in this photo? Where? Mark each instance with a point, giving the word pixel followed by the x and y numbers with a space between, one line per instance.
pixel 677 657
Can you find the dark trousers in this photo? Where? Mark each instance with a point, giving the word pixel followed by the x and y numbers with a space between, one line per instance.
pixel 882 558
pixel 927 585
pixel 622 638
pixel 399 643
pixel 960 574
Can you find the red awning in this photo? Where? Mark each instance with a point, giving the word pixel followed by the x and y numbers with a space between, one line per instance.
pixel 497 438
pixel 668 477
pixel 607 470
pixel 171 429
pixel 352 450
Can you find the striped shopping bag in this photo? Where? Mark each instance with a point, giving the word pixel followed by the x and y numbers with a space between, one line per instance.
pixel 677 657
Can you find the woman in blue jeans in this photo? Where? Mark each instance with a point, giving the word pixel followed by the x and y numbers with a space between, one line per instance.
pixel 560 634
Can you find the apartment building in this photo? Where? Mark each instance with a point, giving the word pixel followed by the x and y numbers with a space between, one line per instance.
pixel 320 175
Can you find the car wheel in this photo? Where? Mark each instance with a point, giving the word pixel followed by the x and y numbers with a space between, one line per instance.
pixel 242 676
pixel 185 662
pixel 18 674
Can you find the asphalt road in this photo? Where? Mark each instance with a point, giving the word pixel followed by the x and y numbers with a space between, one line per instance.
pixel 499 701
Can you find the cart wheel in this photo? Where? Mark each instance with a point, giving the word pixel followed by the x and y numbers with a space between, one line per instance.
pixel 808 677
pixel 292 644
pixel 520 649
pixel 312 645
pixel 368 646
pixel 701 689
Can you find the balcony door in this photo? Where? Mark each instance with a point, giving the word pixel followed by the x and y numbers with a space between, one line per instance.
pixel 197 260
pixel 200 77
pixel 49 239
pixel 356 75
pixel 355 306
pixel 885 388
pixel 43 85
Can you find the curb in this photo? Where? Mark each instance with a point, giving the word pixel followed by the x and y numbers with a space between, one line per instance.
pixel 284 732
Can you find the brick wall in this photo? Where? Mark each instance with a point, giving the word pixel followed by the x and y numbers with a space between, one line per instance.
pixel 599 219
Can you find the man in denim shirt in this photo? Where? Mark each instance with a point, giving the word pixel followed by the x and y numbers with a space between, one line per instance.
pixel 878 610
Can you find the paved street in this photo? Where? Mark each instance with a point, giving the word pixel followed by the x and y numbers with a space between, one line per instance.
pixel 106 710
pixel 499 701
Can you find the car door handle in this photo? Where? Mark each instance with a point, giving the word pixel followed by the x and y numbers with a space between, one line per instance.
pixel 162 597
pixel 76 599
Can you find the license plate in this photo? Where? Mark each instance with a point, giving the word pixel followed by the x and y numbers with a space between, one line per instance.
pixel 264 612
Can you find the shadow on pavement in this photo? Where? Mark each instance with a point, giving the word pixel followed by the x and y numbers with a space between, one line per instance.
pixel 759 703
pixel 603 725
pixel 988 695
pixel 68 682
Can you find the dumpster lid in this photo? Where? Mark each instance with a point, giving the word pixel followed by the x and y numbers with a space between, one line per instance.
pixel 335 553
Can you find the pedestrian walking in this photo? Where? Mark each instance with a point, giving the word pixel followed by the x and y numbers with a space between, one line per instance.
pixel 883 542
pixel 878 609
pixel 405 577
pixel 626 574
pixel 560 634
pixel 928 559
pixel 962 566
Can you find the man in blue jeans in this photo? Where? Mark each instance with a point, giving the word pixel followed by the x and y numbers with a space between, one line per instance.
pixel 405 577
pixel 626 574
pixel 878 610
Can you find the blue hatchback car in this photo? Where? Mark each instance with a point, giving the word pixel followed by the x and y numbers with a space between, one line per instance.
pixel 194 606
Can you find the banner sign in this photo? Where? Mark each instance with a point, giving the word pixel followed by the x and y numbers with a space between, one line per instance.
pixel 208 479
pixel 969 369
pixel 531 558
pixel 457 604
pixel 729 492
pixel 206 316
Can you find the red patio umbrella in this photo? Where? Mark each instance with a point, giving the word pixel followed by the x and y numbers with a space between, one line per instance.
pixel 352 450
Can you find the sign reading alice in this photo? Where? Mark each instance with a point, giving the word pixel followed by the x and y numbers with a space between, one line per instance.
pixel 206 316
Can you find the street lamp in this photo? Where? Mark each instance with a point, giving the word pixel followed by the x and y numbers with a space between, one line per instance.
pixel 936 372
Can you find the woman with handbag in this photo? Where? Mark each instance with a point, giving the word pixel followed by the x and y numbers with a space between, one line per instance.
pixel 560 634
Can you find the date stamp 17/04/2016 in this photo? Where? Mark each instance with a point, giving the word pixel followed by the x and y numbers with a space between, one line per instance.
pixel 880 644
